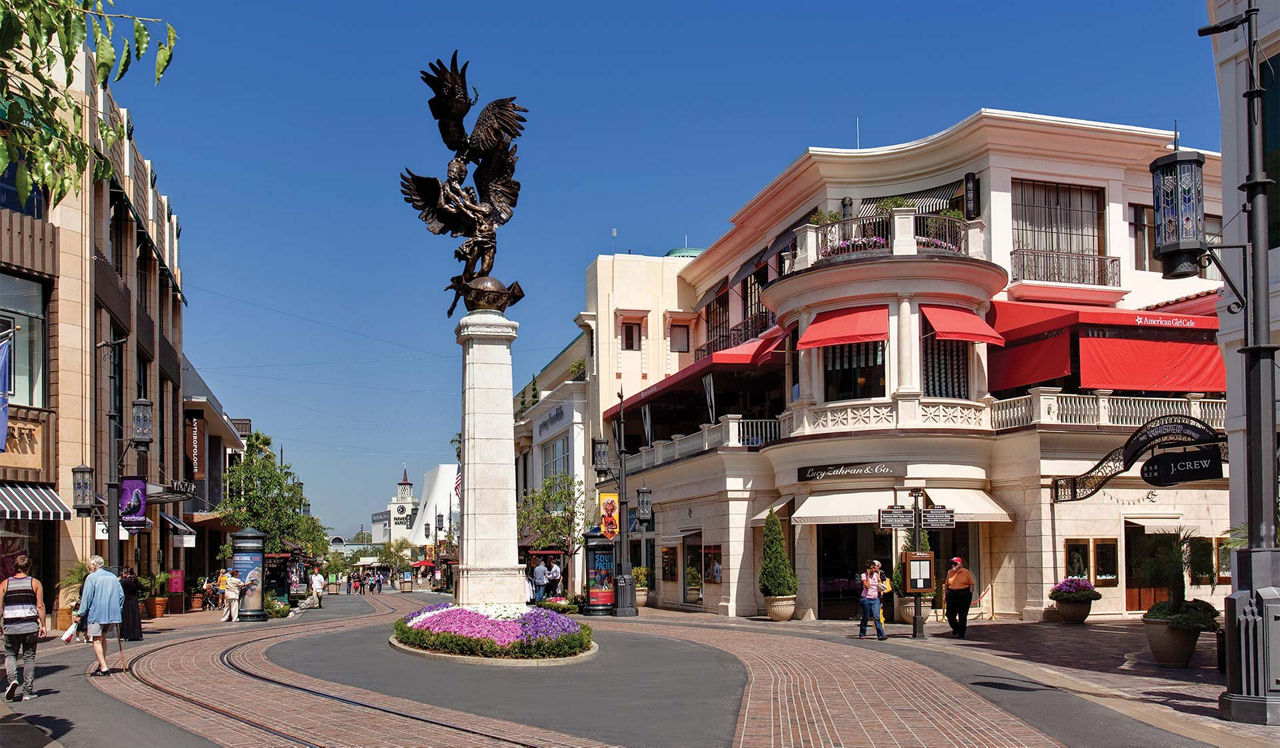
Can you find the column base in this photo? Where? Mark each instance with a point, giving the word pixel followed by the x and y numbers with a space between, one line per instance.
pixel 1253 710
pixel 486 585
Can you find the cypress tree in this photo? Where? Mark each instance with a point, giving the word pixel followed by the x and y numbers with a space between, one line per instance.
pixel 777 578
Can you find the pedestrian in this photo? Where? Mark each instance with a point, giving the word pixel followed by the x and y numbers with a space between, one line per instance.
pixel 553 579
pixel 539 581
pixel 359 589
pixel 317 586
pixel 871 600
pixel 960 584
pixel 381 577
pixel 235 586
pixel 222 589
pixel 101 599
pixel 22 624
pixel 130 618
pixel 349 582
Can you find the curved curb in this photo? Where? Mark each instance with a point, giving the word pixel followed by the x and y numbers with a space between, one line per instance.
pixel 495 661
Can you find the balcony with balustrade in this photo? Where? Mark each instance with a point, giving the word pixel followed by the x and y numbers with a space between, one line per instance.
pixel 901 232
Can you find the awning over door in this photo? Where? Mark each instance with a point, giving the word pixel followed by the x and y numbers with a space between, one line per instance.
pixel 776 506
pixel 1016 319
pixel 969 504
pixel 31 501
pixel 178 526
pixel 678 537
pixel 843 507
pixel 954 323
pixel 769 341
pixel 862 324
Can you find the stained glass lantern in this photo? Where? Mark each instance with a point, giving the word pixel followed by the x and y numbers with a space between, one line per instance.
pixel 142 424
pixel 1177 185
pixel 82 490
pixel 600 456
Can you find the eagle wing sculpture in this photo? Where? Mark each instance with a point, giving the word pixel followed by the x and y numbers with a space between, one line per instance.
pixel 447 206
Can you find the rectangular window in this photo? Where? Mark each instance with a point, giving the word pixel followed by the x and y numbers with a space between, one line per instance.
pixel 1222 552
pixel 1213 237
pixel 679 338
pixel 1076 561
pixel 944 364
pixel 630 336
pixel 1058 218
pixel 555 458
pixel 1106 562
pixel 34 206
pixel 22 312
pixel 1144 238
pixel 711 569
pixel 718 324
pixel 144 277
pixel 693 568
pixel 1202 549
pixel 853 371
pixel 670 570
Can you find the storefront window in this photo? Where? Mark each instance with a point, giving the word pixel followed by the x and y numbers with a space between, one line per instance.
pixel 853 371
pixel 1106 560
pixel 711 564
pixel 1203 548
pixel 555 458
pixel 944 364
pixel 1223 559
pixel 1077 558
pixel 693 568
pixel 22 311
pixel 670 570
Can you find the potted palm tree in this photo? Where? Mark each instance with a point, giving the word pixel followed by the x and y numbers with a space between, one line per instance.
pixel 640 575
pixel 159 600
pixel 69 593
pixel 1173 626
pixel 778 581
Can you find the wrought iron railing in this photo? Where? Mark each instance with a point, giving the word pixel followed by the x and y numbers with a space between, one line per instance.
pixel 941 234
pixel 871 235
pixel 740 333
pixel 1064 267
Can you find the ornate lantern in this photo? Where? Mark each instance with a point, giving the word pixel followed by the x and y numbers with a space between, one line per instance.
pixel 1177 186
pixel 142 425
pixel 82 490
pixel 600 456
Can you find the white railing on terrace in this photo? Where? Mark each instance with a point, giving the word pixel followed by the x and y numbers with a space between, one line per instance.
pixel 1049 405
pixel 901 232
pixel 1015 411
pixel 731 431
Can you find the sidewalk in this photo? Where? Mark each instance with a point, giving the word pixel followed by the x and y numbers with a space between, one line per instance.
pixel 1106 661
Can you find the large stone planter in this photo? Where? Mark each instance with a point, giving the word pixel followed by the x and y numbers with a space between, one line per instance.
pixel 904 607
pixel 156 606
pixel 642 596
pixel 780 608
pixel 1170 647
pixel 1074 612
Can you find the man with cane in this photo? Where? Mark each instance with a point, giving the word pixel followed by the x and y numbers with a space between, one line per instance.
pixel 101 600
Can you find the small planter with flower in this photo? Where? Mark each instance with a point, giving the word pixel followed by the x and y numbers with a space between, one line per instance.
pixel 1074 597
pixel 493 631
pixel 853 246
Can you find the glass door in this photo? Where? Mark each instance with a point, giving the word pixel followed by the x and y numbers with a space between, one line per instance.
pixel 693 568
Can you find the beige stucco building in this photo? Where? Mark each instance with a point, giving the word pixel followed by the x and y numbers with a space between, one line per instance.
pixel 970 319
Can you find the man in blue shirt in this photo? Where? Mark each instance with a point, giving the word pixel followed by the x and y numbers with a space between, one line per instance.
pixel 539 581
pixel 101 600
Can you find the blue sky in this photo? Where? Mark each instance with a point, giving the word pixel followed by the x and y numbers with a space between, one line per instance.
pixel 316 302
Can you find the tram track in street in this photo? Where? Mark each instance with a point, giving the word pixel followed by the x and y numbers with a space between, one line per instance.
pixel 144 668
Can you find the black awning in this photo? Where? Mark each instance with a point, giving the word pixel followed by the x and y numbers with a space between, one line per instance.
pixel 31 501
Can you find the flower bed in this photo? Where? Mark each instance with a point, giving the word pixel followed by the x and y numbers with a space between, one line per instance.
pixel 507 631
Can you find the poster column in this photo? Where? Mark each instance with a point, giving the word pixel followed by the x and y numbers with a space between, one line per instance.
pixel 247 559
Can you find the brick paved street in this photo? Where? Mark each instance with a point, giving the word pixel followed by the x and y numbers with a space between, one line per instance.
pixel 805 684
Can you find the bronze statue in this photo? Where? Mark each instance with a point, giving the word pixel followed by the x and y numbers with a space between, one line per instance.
pixel 454 208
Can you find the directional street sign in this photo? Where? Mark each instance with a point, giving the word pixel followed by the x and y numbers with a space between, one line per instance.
pixel 897 518
pixel 937 518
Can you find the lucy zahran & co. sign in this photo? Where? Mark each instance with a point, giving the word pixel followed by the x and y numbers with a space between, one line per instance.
pixel 852 470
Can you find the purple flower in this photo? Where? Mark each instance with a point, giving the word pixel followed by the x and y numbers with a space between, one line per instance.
pixel 541 623
pixel 427 609
pixel 473 625
pixel 1073 584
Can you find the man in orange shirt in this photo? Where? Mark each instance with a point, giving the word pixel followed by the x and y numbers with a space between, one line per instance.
pixel 960 586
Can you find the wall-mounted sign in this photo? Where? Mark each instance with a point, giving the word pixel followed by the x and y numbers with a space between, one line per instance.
pixel 852 470
pixel 897 518
pixel 381 517
pixel 551 419
pixel 1172 468
pixel 195 447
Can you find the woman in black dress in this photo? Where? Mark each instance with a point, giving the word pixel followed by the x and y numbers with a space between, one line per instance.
pixel 130 620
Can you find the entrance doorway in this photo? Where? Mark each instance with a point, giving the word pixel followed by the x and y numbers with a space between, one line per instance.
pixel 1137 597
pixel 693 568
pixel 843 552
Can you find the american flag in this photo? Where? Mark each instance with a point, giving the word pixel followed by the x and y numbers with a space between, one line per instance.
pixel 457 484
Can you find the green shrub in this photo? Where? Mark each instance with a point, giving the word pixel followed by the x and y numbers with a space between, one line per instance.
pixel 640 574
pixel 565 608
pixel 777 578
pixel 1196 615
pixel 445 643
pixel 889 203
pixel 822 217
pixel 275 608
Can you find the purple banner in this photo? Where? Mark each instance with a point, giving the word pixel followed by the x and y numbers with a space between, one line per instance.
pixel 133 502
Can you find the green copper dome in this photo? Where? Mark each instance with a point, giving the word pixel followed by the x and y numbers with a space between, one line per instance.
pixel 685 252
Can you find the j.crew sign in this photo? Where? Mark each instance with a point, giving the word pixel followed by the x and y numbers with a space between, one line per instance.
pixel 852 470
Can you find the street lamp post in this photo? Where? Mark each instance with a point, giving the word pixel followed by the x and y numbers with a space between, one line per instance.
pixel 624 600
pixel 1253 610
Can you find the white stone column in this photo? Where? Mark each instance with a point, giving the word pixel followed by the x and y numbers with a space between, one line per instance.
pixel 488 566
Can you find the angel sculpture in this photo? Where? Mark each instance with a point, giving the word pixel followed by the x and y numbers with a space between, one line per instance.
pixel 454 208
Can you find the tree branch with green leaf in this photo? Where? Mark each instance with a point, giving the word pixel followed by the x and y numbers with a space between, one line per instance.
pixel 555 516
pixel 265 495
pixel 43 125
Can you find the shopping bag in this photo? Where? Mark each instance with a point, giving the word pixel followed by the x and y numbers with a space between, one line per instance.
pixel 69 634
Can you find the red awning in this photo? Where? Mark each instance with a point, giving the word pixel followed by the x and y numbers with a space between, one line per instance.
pixel 422 563
pixel 1017 319
pixel 769 341
pixel 862 324
pixel 954 323
pixel 1029 363
pixel 743 355
pixel 1160 365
